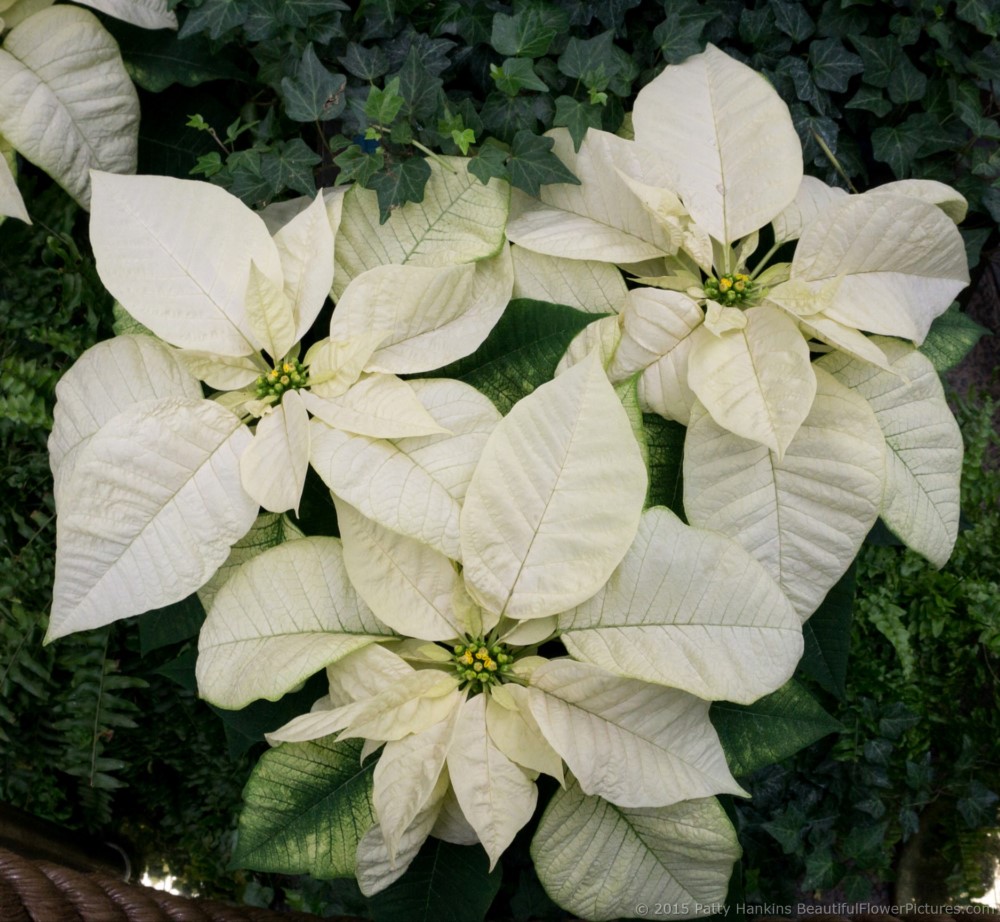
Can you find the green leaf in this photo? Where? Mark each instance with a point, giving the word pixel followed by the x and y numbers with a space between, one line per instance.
pixel 592 60
pixel 827 636
pixel 832 64
pixel 906 83
pixel 532 163
pixel 490 163
pixel 879 57
pixel 577 117
pixel 504 116
pixel 871 99
pixel 665 444
pixel 357 165
pixel 248 182
pixel 896 146
pixel 979 806
pixel 788 827
pixel 516 74
pixel 951 338
pixel 680 35
pixel 897 719
pixel 300 13
pixel 521 352
pixel 289 165
pixel 821 872
pixel 445 883
pixel 791 18
pixel 170 625
pixel 983 14
pixel 157 59
pixel 771 729
pixel 315 94
pixel 181 670
pixel 529 32
pixel 419 85
pixel 214 17
pixel 400 183
pixel 382 106
pixel 364 63
pixel 306 807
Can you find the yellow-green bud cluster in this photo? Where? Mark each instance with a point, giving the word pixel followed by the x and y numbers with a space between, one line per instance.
pixel 737 288
pixel 480 664
pixel 288 375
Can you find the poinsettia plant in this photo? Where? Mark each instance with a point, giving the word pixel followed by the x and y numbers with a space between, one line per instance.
pixel 499 593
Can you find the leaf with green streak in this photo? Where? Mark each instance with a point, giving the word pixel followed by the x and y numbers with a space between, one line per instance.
pixel 771 729
pixel 983 14
pixel 879 57
pixel 157 59
pixel 400 183
pixel 505 116
pixel 170 625
pixel 591 60
pixel 521 352
pixel 516 74
pixel 214 17
pixel 791 18
pixel 445 883
pixel 832 64
pixel 529 32
pixel 576 117
pixel 827 636
pixel 382 106
pixel 289 165
pixel 315 94
pixel 299 12
pixel 906 83
pixel 951 338
pixel 665 442
pixel 489 163
pixel 419 86
pixel 532 163
pixel 306 807
pixel 896 146
pixel 871 99
pixel 680 35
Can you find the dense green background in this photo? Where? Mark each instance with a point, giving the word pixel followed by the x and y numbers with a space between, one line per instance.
pixel 295 93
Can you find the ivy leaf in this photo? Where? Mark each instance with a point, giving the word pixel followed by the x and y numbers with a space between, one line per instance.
pixel 419 86
pixel 805 86
pixel 906 83
pixel 490 163
pixel 307 805
pixel 894 145
pixel 665 445
pixel 879 57
pixel 300 13
pixel 827 636
pixel 591 60
pixel 978 806
pixel 821 872
pixel 400 183
pixel 248 182
pixel 358 165
pixel 214 17
pixel 577 117
pixel 951 338
pixel 382 106
pixel 445 883
pixel 771 729
pixel 504 116
pixel 521 352
pixel 983 14
pixel 897 720
pixel 532 163
pixel 832 64
pixel 315 94
pixel 173 624
pixel 516 74
pixel 871 99
pixel 788 827
pixel 289 165
pixel 792 19
pixel 528 33
pixel 364 63
pixel 680 35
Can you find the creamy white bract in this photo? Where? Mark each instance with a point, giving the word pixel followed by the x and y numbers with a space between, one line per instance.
pixel 500 604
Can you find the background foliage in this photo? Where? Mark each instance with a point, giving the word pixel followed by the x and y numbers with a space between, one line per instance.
pixel 271 98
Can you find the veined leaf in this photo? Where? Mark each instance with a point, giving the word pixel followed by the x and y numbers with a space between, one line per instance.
pixel 600 861
pixel 147 14
pixel 84 112
pixel 158 506
pixel 11 202
pixel 555 499
pixel 587 285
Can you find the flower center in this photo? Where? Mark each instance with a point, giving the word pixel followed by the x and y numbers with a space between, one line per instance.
pixel 480 664
pixel 289 375
pixel 736 288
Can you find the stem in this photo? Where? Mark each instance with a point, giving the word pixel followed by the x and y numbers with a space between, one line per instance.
pixel 435 157
pixel 833 159
pixel 762 265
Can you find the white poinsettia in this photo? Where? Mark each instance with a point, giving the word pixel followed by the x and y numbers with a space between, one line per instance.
pixel 229 303
pixel 467 703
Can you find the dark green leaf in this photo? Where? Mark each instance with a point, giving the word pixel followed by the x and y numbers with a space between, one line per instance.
pixel 909 822
pixel 821 871
pixel 170 625
pixel 181 670
pixel 832 64
pixel 263 20
pixel 896 720
pixel 358 166
pixel 879 56
pixel 419 85
pixel 871 99
pixel 809 125
pixel 400 183
pixel 827 636
pixel 680 35
pixel 364 63
pixel 289 165
pixel 516 74
pixel 978 807
pixel 771 729
pixel 248 182
pixel 975 239
pixel 214 17
pixel 504 116
pixel 306 807
pixel 592 60
pixel 576 117
pixel 951 338
pixel 792 19
pixel 983 14
pixel 521 352
pixel 896 146
pixel 382 106
pixel 805 86
pixel 532 163
pixel 529 32
pixel 878 751
pixel 300 13
pixel 665 442
pixel 489 163
pixel 906 83
pixel 315 94
pixel 445 883
pixel 788 827
pixel 991 202
pixel 864 844
pixel 167 147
